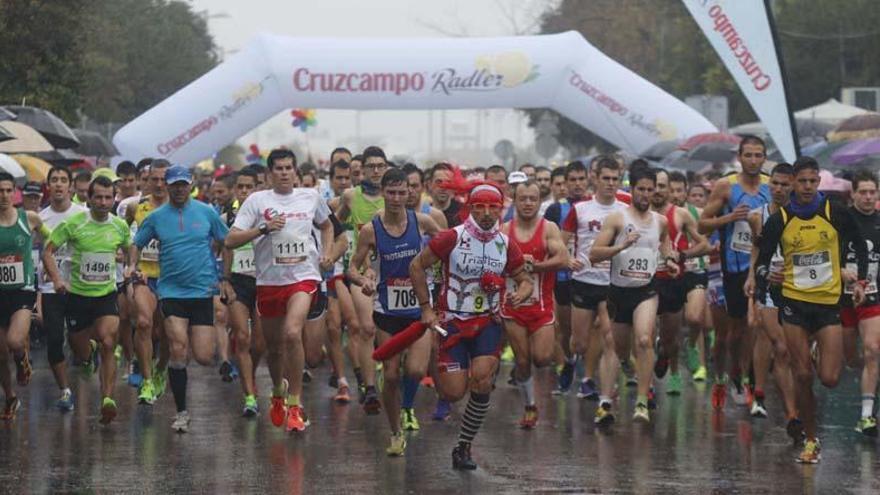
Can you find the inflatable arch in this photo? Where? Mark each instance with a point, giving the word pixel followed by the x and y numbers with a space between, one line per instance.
pixel 560 71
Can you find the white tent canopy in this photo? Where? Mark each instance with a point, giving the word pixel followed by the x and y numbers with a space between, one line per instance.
pixel 832 111
pixel 561 71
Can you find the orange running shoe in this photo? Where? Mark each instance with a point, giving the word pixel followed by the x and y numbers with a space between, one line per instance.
pixel 719 396
pixel 278 411
pixel 427 381
pixel 296 419
pixel 530 418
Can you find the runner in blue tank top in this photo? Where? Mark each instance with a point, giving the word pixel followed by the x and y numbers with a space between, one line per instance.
pixel 395 236
pixel 727 211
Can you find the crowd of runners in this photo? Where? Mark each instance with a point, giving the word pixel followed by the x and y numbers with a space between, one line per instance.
pixel 611 274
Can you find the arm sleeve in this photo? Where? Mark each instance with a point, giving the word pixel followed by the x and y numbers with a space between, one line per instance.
pixel 443 243
pixel 850 234
pixel 767 243
pixel 247 216
pixel 146 232
pixel 514 258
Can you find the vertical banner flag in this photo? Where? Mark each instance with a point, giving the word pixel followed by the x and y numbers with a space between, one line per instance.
pixel 741 31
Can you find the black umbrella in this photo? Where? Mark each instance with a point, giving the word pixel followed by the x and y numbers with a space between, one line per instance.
pixel 61 156
pixel 46 123
pixel 658 151
pixel 713 152
pixel 94 144
pixel 680 160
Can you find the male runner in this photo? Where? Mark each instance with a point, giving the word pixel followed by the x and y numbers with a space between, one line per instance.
pixel 357 170
pixel 186 229
pixel 865 317
pixel 93 237
pixel 442 197
pixel 475 255
pixel 288 271
pixel 687 244
pixel 576 183
pixel 239 269
pixel 357 208
pixel 631 239
pixel 530 326
pixel 17 294
pixel 146 285
pixel 812 234
pixel 727 211
pixel 53 304
pixel 126 188
pixel 543 179
pixel 395 236
pixel 770 340
pixel 589 284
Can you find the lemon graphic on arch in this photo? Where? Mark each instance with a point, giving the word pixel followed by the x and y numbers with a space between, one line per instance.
pixel 667 129
pixel 515 68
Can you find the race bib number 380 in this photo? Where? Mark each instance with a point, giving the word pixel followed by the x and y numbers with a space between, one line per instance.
pixel 11 270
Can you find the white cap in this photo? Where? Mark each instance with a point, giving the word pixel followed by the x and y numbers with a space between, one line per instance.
pixel 517 178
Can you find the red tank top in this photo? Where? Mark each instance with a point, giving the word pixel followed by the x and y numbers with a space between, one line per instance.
pixel 543 282
pixel 679 243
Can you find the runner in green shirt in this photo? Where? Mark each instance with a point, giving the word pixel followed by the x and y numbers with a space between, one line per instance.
pixel 95 237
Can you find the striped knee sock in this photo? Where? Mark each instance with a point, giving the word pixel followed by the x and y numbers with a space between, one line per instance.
pixel 477 406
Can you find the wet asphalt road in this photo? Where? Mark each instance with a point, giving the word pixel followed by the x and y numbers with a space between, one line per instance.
pixel 686 448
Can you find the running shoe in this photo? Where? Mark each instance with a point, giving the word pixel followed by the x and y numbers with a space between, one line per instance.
pixel 811 453
pixel 296 419
pixel 867 426
pixel 251 407
pixel 660 367
pixel 226 371
pixel 442 411
pixel 333 381
pixel 566 378
pixel 65 402
pixel 146 395
pixel 342 396
pixel 603 416
pixel 23 369
pixel 629 372
pixel 108 411
pixel 507 354
pixel 738 392
pixel 408 420
pixel 234 373
pixel 278 411
pixel 719 396
pixel 693 358
pixel 530 418
pixel 135 378
pixel 673 384
pixel 362 393
pixel 652 399
pixel 12 407
pixel 758 410
pixel 795 430
pixel 700 374
pixel 461 457
pixel 117 353
pixel 181 422
pixel 372 406
pixel 587 390
pixel 641 413
pixel 160 381
pixel 427 381
pixel 398 445
pixel 90 367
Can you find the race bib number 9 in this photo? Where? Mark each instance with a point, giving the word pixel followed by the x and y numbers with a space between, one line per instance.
pixel 97 268
pixel 11 270
pixel 812 270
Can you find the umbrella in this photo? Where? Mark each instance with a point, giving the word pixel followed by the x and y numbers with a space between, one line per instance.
pixel 26 140
pixel 679 160
pixel 716 152
pixel 828 182
pixel 5 135
pixel 856 151
pixel 709 137
pixel 94 144
pixel 659 150
pixel 46 123
pixel 6 114
pixel 10 166
pixel 60 156
pixel 858 127
pixel 36 169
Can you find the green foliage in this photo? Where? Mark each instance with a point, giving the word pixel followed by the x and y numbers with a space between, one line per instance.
pixel 109 59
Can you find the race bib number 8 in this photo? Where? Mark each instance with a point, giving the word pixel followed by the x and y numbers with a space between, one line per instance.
pixel 97 268
pixel 11 270
pixel 812 270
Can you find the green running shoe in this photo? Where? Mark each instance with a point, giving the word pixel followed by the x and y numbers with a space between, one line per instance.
pixel 146 395
pixel 673 384
pixel 160 381
pixel 693 358
pixel 867 426
pixel 408 420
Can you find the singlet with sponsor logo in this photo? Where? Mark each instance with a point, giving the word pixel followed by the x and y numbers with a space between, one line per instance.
pixel 869 228
pixel 465 259
pixel 698 264
pixel 16 262
pixel 94 245
pixel 636 265
pixel 679 241
pixel 51 219
pixel 736 237
pixel 811 251
pixel 543 282
pixel 289 255
pixel 148 264
pixel 395 289
pixel 585 220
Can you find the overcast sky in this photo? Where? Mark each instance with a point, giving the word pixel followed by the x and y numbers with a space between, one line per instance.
pixel 234 22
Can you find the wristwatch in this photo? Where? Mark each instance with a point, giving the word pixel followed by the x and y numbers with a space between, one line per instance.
pixel 264 228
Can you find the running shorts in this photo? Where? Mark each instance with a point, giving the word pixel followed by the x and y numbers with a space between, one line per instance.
pixel 562 292
pixel 245 288
pixel 82 311
pixel 850 317
pixel 391 324
pixel 458 357
pixel 199 311
pixel 11 301
pixel 272 299
pixel 695 281
pixel 627 299
pixel 809 316
pixel 672 294
pixel 587 296
pixel 735 295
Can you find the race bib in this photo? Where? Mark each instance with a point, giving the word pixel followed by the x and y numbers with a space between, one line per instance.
pixel 871 288
pixel 741 238
pixel 812 270
pixel 288 248
pixel 692 265
pixel 11 270
pixel 243 261
pixel 534 297
pixel 638 263
pixel 97 268
pixel 400 295
pixel 151 251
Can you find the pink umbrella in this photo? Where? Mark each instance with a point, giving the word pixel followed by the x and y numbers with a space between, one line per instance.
pixel 709 137
pixel 856 151
pixel 828 182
